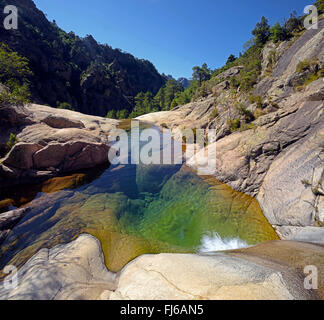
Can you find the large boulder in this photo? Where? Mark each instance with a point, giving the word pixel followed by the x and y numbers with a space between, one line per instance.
pixel 264 272
pixel 51 141
pixel 21 156
pixel 60 122
pixel 303 234
pixel 71 156
pixel 15 116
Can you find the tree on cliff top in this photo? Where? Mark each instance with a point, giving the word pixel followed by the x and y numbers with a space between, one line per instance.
pixel 15 75
pixel 261 32
pixel 278 33
pixel 320 6
pixel 230 59
pixel 202 73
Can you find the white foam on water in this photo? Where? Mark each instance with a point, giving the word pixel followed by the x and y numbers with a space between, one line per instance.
pixel 212 242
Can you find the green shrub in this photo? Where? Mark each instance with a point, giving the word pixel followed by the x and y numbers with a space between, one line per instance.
pixel 122 114
pixel 203 91
pixel 247 126
pixel 12 141
pixel 306 183
pixel 261 32
pixel 272 59
pixel 259 113
pixel 214 114
pixel 17 94
pixel 15 75
pixel 320 6
pixel 248 115
pixel 185 96
pixel 12 65
pixel 303 66
pixel 278 33
pixel 111 114
pixel 248 80
pixel 314 72
pixel 119 114
pixel 257 100
pixel 234 124
pixel 234 83
pixel 251 61
pixel 64 105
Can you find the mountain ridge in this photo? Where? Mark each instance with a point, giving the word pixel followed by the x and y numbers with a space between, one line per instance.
pixel 91 77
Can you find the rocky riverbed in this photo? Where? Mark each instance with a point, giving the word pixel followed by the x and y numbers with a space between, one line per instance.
pixel 268 185
pixel 280 158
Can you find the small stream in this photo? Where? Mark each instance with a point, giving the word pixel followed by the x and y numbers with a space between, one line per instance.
pixel 133 210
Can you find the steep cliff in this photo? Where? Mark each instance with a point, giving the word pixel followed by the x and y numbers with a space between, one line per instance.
pixel 91 77
pixel 270 140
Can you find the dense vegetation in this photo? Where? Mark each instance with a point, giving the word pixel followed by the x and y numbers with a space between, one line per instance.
pixel 52 67
pixel 168 97
pixel 14 75
pixel 73 72
pixel 320 6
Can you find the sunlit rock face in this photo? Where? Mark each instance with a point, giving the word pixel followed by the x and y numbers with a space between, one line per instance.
pixel 76 271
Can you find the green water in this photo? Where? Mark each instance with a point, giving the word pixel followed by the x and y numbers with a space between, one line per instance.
pixel 134 210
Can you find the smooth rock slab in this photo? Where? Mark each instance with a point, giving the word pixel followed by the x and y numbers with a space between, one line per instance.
pixel 303 234
pixel 62 122
pixel 269 271
pixel 193 277
pixel 72 271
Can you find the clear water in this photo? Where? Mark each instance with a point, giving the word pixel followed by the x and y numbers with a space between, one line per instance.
pixel 133 210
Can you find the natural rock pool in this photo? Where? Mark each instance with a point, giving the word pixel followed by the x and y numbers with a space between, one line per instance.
pixel 132 210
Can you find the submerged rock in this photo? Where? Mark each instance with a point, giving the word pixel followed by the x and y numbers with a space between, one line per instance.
pixel 129 222
pixel 8 220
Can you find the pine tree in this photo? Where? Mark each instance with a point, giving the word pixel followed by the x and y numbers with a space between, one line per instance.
pixel 261 32
pixel 230 59
pixel 278 33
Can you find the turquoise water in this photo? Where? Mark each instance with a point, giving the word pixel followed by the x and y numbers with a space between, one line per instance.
pixel 132 210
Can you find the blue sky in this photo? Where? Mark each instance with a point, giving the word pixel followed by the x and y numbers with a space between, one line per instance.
pixel 173 34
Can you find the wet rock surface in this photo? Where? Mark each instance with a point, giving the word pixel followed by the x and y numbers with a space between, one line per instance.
pixel 9 220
